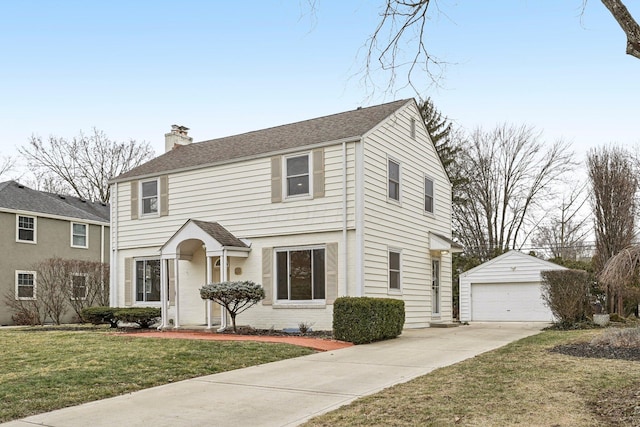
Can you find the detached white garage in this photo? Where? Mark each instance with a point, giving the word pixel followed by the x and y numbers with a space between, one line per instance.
pixel 505 289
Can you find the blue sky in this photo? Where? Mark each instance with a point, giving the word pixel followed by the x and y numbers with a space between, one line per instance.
pixel 134 68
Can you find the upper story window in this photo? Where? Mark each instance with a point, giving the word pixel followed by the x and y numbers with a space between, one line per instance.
pixel 428 195
pixel 394 269
pixel 25 285
pixel 300 274
pixel 79 235
pixel 394 180
pixel 149 199
pixel 147 280
pixel 26 229
pixel 297 175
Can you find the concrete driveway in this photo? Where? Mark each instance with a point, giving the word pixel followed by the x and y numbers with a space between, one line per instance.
pixel 289 392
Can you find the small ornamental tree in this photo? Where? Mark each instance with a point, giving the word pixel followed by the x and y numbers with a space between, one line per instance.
pixel 236 297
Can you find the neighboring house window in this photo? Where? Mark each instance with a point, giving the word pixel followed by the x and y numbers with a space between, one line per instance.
pixel 79 236
pixel 297 175
pixel 25 285
pixel 300 274
pixel 412 130
pixel 147 280
pixel 394 180
pixel 428 195
pixel 78 286
pixel 149 199
pixel 26 229
pixel 394 269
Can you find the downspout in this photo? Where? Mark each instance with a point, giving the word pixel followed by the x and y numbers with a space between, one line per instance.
pixel 113 268
pixel 223 278
pixel 345 251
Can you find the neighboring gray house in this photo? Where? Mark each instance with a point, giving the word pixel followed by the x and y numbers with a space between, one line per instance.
pixel 352 204
pixel 36 225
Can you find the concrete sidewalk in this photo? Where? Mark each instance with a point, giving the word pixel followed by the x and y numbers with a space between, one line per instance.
pixel 289 392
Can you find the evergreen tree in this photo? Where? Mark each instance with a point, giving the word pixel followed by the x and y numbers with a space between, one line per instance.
pixel 445 140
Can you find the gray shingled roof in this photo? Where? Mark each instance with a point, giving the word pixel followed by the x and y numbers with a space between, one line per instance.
pixel 350 124
pixel 16 196
pixel 218 232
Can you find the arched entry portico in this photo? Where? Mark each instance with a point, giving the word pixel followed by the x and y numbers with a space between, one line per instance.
pixel 201 244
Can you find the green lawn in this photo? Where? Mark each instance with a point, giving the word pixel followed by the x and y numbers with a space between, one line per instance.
pixel 43 370
pixel 520 384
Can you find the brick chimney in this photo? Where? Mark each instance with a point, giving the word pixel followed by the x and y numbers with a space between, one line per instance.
pixel 177 136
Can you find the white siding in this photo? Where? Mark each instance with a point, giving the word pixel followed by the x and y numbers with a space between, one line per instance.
pixel 512 267
pixel 238 197
pixel 193 276
pixel 405 225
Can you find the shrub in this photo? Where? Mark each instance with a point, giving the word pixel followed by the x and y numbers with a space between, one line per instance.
pixel 566 293
pixel 142 316
pixel 100 315
pixel 236 297
pixel 362 320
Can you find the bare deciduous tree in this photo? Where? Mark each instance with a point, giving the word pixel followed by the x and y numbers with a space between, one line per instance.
pixel 91 286
pixel 614 184
pixel 510 174
pixel 83 165
pixel 563 233
pixel 399 40
pixel 57 289
pixel 6 165
pixel 51 288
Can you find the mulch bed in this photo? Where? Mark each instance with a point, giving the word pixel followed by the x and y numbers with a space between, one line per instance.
pixel 603 352
pixel 246 330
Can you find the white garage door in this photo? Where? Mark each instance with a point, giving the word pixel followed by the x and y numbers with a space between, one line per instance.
pixel 508 302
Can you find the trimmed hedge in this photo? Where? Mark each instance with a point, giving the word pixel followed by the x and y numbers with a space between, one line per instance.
pixel 363 320
pixel 100 315
pixel 142 316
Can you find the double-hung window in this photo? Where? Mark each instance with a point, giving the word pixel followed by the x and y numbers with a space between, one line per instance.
pixel 25 285
pixel 78 286
pixel 147 280
pixel 149 199
pixel 26 229
pixel 297 175
pixel 394 269
pixel 300 274
pixel 79 235
pixel 393 173
pixel 428 195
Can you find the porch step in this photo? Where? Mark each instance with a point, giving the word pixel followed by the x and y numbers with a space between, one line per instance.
pixel 444 325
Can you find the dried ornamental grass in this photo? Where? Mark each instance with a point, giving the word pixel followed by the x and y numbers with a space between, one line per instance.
pixel 624 338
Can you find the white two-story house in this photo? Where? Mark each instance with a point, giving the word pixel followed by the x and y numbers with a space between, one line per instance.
pixel 351 204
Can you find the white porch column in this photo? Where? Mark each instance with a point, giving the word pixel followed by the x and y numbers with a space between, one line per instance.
pixel 177 280
pixel 209 281
pixel 163 293
pixel 223 278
